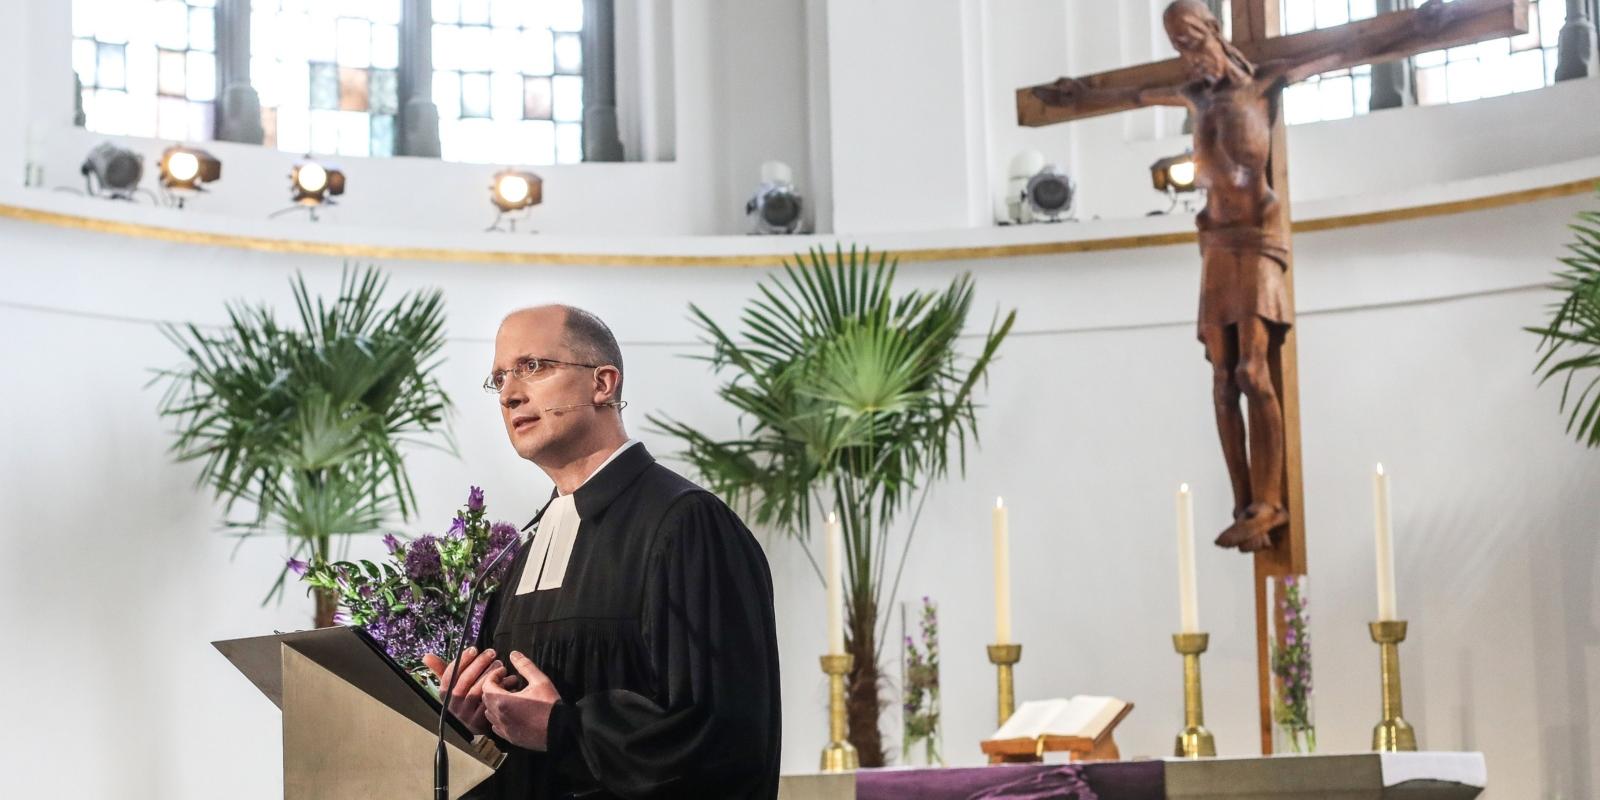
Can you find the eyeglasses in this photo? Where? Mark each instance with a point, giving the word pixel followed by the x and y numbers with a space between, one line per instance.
pixel 524 369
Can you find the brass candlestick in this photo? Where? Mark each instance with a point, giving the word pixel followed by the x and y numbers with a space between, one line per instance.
pixel 1004 657
pixel 1393 733
pixel 1194 741
pixel 840 755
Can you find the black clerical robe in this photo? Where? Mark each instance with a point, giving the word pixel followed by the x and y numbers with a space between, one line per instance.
pixel 661 640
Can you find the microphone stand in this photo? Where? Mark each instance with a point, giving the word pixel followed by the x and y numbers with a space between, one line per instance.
pixel 441 755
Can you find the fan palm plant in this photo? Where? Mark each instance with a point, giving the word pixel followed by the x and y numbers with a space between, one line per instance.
pixel 853 400
pixel 306 425
pixel 1571 340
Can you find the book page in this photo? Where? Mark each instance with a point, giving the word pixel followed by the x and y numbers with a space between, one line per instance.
pixel 1086 716
pixel 1030 719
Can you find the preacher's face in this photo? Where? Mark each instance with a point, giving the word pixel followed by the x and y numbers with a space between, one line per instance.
pixel 536 433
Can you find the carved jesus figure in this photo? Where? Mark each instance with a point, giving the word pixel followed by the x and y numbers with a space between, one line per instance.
pixel 1245 310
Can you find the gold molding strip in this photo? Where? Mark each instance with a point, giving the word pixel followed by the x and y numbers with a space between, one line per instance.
pixel 972 253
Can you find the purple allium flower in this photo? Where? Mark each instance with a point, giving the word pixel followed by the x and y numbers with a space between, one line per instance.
pixel 502 535
pixel 391 542
pixel 422 558
pixel 297 566
pixel 1289 638
pixel 458 527
pixel 477 619
pixel 475 500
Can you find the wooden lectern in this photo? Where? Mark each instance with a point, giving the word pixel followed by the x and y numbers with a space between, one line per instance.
pixel 355 726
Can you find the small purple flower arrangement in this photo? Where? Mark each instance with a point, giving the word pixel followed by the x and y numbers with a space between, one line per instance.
pixel 920 704
pixel 413 602
pixel 1291 665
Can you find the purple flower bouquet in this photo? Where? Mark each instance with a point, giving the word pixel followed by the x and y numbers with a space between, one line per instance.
pixel 920 704
pixel 1291 666
pixel 414 602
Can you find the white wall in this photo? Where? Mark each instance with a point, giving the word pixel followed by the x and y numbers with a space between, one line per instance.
pixel 1411 353
pixel 904 82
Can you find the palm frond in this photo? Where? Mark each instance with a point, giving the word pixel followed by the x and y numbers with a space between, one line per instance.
pixel 307 425
pixel 847 393
pixel 1570 341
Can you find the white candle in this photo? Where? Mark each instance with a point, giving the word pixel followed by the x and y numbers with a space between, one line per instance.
pixel 1002 574
pixel 1188 594
pixel 1384 531
pixel 835 580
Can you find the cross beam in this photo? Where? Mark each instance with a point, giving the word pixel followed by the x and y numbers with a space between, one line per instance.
pixel 1374 40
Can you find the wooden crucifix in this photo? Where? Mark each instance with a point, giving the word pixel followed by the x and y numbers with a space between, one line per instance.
pixel 1246 313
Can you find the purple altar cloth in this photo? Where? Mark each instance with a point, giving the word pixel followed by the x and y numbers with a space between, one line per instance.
pixel 1110 780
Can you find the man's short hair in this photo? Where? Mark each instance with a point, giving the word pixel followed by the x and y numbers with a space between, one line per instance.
pixel 591 342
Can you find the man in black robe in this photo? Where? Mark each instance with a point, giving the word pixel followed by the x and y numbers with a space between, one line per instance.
pixel 631 650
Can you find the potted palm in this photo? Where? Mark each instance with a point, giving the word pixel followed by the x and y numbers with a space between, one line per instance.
pixel 1571 340
pixel 852 399
pixel 306 425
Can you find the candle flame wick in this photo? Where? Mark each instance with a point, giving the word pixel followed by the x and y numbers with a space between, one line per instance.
pixel 999 502
pixel 1183 487
pixel 1380 467
pixel 832 518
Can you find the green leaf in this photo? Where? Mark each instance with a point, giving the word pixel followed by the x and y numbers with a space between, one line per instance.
pixel 851 398
pixel 1570 341
pixel 304 427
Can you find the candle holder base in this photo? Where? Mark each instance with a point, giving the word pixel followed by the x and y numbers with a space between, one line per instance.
pixel 1195 742
pixel 1393 733
pixel 839 755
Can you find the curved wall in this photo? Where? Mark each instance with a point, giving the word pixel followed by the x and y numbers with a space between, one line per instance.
pixel 1411 353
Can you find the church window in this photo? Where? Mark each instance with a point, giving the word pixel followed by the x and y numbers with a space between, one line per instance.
pixel 147 67
pixel 1486 69
pixel 507 80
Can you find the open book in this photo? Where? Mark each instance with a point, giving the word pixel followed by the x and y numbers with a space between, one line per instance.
pixel 1081 725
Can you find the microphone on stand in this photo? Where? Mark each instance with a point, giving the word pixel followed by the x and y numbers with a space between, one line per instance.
pixel 441 756
pixel 620 404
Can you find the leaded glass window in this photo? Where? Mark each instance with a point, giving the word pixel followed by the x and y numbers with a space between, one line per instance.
pixel 507 80
pixel 1485 69
pixel 507 74
pixel 148 67
pixel 327 73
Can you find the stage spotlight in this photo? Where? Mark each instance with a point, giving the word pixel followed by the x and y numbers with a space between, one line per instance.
pixel 188 167
pixel 312 184
pixel 514 190
pixel 310 187
pixel 1175 174
pixel 1050 193
pixel 112 170
pixel 777 206
pixel 1036 191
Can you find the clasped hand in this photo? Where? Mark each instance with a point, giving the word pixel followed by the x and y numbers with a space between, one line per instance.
pixel 516 707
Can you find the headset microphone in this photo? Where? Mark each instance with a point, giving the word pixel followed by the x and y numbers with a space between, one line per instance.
pixel 620 404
